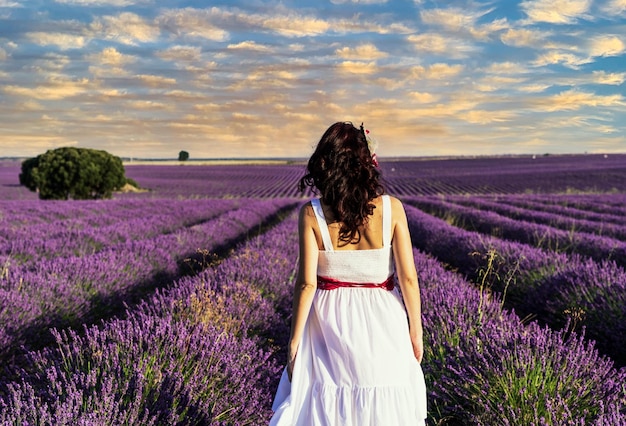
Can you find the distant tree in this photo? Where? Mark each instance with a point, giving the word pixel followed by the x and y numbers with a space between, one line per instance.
pixel 183 156
pixel 78 173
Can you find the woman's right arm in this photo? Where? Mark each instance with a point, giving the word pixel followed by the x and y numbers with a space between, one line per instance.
pixel 407 276
pixel 306 281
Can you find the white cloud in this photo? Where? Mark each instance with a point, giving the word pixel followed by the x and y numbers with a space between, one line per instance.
pixel 249 45
pixel 54 89
pixel 424 97
pixel 128 28
pixel 62 40
pixel 439 71
pixel 359 1
pixel 363 52
pixel 156 80
pixel 180 53
pixel 112 57
pixel 3 54
pixel 556 11
pixel 506 68
pixel 562 58
pixel 441 45
pixel 606 45
pixel 462 21
pixel 100 3
pixel 615 7
pixel 195 23
pixel 486 117
pixel 602 77
pixel 353 67
pixel 572 100
pixel 523 37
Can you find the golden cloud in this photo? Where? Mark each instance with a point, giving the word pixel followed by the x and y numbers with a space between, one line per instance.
pixel 556 11
pixel 54 89
pixel 364 52
pixel 127 28
pixel 61 40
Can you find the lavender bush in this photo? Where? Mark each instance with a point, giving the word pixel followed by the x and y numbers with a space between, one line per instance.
pixel 190 354
pixel 484 367
pixel 526 277
pixel 558 216
pixel 542 236
pixel 68 291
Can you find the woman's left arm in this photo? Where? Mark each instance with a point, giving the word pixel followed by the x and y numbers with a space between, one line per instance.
pixel 305 284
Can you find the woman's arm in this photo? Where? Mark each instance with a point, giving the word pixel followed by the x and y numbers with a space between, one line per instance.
pixel 306 281
pixel 407 275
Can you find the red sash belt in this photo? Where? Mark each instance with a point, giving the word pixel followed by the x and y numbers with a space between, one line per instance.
pixel 325 283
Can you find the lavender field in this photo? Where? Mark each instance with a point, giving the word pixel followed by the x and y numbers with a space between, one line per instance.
pixel 171 306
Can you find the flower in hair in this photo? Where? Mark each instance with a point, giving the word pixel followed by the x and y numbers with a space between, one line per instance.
pixel 372 144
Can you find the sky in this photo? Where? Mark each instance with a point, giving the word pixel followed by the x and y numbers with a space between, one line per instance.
pixel 265 79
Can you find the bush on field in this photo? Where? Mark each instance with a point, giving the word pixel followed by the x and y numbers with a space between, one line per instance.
pixel 78 173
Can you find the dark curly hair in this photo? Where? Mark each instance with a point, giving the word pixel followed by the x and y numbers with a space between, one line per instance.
pixel 342 171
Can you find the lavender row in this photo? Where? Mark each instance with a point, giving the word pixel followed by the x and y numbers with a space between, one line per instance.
pixel 225 181
pixel 553 287
pixel 546 237
pixel 556 219
pixel 199 352
pixel 550 204
pixel 73 290
pixel 483 366
pixel 601 204
pixel 84 228
pixel 192 359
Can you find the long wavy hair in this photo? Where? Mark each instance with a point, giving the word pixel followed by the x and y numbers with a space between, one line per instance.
pixel 341 170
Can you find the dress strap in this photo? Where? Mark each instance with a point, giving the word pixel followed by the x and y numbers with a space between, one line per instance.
pixel 321 221
pixel 386 220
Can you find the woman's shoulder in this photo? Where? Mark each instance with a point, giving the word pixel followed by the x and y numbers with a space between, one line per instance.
pixel 395 202
pixel 306 212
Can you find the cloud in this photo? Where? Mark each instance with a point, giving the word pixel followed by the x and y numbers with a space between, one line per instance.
pixel 54 89
pixel 506 68
pixel 572 100
pixel 523 37
pixel 462 21
pixel 615 7
pixel 180 54
pixel 100 3
pixel 556 11
pixel 127 28
pixel 486 117
pixel 569 60
pixel 353 67
pixel 3 54
pixel 62 40
pixel 196 23
pixel 249 45
pixel 439 71
pixel 359 1
pixel 156 80
pixel 602 77
pixel 424 97
pixel 363 52
pixel 109 62
pixel 444 46
pixel 607 45
pixel 112 57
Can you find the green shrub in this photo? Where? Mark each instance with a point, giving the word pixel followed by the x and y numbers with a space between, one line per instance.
pixel 78 173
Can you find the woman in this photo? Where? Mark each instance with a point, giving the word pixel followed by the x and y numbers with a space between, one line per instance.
pixel 353 357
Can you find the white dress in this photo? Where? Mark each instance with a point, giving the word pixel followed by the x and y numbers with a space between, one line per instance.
pixel 355 364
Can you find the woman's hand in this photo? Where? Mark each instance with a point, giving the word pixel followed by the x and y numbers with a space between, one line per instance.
pixel 418 348
pixel 291 360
